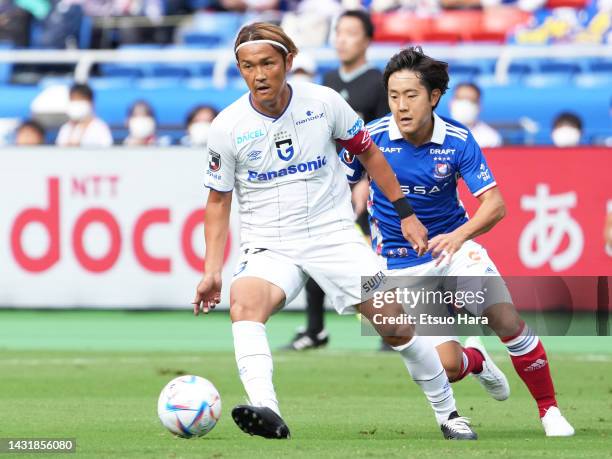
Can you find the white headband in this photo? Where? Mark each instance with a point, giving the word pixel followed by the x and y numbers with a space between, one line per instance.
pixel 254 42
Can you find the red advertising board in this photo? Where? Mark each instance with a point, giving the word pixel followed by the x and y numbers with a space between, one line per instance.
pixel 556 201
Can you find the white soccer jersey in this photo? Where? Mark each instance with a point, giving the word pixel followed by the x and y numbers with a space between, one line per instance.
pixel 287 176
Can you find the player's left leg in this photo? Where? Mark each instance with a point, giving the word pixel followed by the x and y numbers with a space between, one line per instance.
pixel 530 363
pixel 524 347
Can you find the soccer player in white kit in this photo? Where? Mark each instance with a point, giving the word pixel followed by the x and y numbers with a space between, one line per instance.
pixel 275 148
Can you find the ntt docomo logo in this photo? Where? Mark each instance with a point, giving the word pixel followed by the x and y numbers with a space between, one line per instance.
pixel 50 218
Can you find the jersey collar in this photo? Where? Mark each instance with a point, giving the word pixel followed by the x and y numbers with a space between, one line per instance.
pixel 272 117
pixel 438 135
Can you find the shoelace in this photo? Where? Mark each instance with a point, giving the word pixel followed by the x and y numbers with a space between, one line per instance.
pixel 459 425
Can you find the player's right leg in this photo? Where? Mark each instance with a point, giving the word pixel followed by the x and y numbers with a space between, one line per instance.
pixel 262 284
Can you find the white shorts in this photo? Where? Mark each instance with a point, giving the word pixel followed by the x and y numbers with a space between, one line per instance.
pixel 471 263
pixel 335 261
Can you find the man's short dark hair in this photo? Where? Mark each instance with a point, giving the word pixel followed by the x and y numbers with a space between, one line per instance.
pixel 31 124
pixel 471 86
pixel 364 17
pixel 432 73
pixel 82 89
pixel 568 118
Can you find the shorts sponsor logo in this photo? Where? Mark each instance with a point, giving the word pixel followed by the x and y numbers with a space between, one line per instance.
pixel 249 136
pixel 474 255
pixel 310 116
pixel 300 168
pixel 355 128
pixel 214 161
pixel 373 282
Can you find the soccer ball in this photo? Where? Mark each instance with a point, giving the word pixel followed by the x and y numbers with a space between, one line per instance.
pixel 189 406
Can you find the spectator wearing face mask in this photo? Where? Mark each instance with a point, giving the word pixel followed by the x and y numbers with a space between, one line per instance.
pixel 29 133
pixel 198 125
pixel 567 130
pixel 84 128
pixel 304 68
pixel 141 125
pixel 465 108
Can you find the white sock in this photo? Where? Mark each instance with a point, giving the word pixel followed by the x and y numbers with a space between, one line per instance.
pixel 424 366
pixel 254 361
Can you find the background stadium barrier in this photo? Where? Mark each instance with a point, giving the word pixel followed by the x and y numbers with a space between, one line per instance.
pixel 123 227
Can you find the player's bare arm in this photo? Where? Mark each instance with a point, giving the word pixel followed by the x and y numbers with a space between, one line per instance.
pixel 490 211
pixel 377 167
pixel 208 292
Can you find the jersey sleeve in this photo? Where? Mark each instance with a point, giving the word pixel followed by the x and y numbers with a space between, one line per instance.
pixel 221 164
pixel 474 169
pixel 347 127
pixel 352 166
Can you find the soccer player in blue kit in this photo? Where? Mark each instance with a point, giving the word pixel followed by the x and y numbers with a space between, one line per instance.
pixel 429 154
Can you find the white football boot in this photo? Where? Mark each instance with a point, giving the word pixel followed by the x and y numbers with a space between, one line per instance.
pixel 491 377
pixel 555 425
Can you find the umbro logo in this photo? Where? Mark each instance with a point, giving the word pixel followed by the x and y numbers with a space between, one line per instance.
pixel 540 363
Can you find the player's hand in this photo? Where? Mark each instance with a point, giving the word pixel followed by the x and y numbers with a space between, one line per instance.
pixel 415 233
pixel 208 293
pixel 444 246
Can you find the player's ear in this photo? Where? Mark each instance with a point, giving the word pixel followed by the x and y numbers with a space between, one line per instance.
pixel 434 98
pixel 289 62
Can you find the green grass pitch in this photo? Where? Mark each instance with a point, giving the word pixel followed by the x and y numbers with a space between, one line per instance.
pixel 96 376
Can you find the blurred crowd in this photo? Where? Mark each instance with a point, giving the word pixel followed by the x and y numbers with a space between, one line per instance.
pixel 359 82
pixel 110 23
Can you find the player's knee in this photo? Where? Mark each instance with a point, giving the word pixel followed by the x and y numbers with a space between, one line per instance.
pixel 244 310
pixel 395 341
pixel 504 320
pixel 452 368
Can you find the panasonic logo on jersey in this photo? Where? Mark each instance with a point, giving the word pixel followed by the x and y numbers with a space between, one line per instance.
pixel 299 168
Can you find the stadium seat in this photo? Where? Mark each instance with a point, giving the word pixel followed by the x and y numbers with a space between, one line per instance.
pixel 503 19
pixel 400 27
pixel 98 83
pixel 177 70
pixel 458 23
pixel 601 66
pixel 6 68
pixel 463 71
pixel 124 69
pixel 212 29
pixel 594 80
pixel 545 80
pixel 577 4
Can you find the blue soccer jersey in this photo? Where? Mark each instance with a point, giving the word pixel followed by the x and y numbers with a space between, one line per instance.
pixel 428 175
